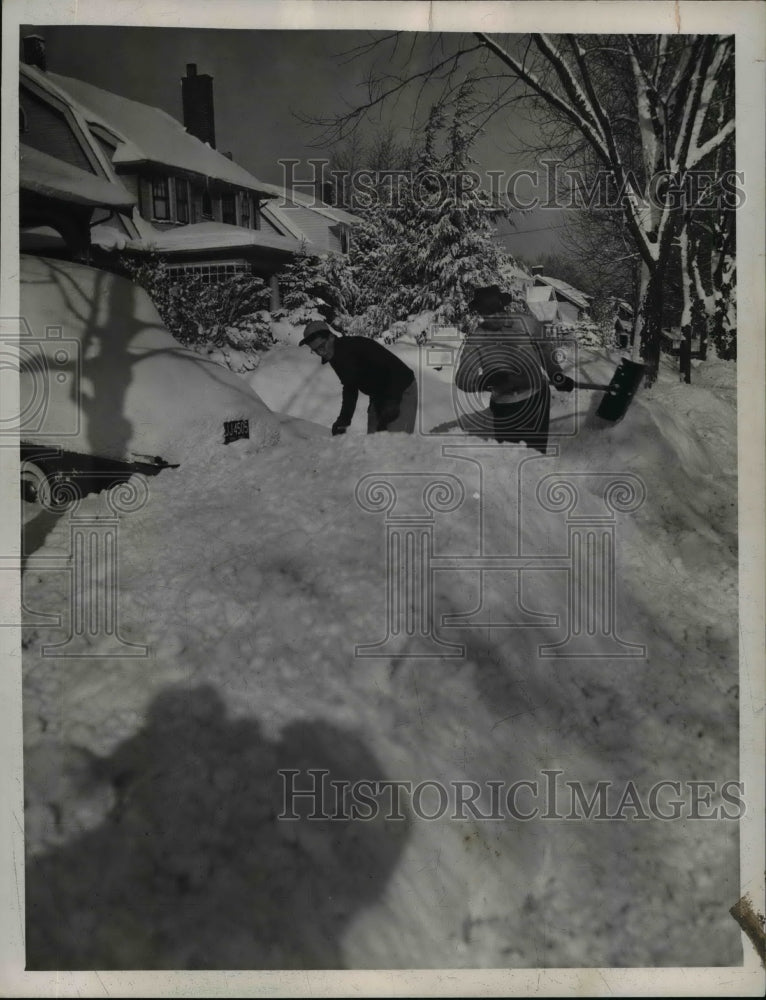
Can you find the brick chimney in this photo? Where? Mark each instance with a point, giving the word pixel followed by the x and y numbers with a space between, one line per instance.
pixel 34 51
pixel 197 98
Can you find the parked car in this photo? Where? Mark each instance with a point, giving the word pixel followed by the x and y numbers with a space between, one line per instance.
pixel 106 391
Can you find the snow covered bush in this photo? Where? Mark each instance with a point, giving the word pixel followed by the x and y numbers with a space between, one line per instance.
pixel 314 287
pixel 299 289
pixel 590 334
pixel 374 322
pixel 228 317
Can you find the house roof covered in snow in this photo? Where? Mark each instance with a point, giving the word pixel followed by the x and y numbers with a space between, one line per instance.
pixel 569 292
pixel 213 236
pixel 513 272
pixel 283 219
pixel 540 293
pixel 307 219
pixel 546 312
pixel 287 196
pixel 626 306
pixel 54 178
pixel 148 135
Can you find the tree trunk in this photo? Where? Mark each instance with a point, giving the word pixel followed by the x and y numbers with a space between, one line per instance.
pixel 647 334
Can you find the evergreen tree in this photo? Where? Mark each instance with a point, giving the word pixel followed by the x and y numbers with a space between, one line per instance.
pixel 442 231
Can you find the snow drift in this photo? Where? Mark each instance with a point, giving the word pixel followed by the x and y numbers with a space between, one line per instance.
pixel 152 785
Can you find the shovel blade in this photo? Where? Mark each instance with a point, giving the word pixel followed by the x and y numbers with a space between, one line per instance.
pixel 621 391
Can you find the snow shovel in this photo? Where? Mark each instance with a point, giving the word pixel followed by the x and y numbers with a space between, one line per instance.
pixel 620 390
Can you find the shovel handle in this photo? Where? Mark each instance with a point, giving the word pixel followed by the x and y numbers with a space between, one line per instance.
pixel 592 385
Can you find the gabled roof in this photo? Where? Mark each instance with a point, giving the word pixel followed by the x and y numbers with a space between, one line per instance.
pixel 513 271
pixel 546 312
pixel 281 219
pixel 307 219
pixel 539 293
pixel 287 195
pixel 54 178
pixel 624 305
pixel 149 135
pixel 574 295
pixel 38 81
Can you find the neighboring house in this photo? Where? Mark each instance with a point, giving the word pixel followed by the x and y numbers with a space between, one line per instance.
pixel 572 304
pixel 321 226
pixel 542 304
pixel 516 278
pixel 623 322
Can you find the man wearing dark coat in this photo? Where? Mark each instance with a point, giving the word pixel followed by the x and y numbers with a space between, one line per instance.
pixel 364 365
pixel 506 355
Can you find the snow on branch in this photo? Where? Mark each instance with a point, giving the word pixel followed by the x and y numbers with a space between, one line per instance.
pixel 582 124
pixel 718 63
pixel 712 144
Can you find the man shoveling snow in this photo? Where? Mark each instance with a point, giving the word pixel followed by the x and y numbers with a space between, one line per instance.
pixel 507 356
pixel 364 365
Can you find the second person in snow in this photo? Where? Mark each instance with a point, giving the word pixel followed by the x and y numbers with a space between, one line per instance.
pixel 364 365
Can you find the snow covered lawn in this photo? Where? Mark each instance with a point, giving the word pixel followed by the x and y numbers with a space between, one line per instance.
pixel 251 576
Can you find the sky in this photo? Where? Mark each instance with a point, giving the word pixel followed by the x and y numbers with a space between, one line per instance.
pixel 265 84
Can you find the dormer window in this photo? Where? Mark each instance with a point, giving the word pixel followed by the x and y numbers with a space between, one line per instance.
pixel 160 199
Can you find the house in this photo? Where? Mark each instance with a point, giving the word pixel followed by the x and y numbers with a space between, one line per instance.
pixel 172 191
pixel 322 227
pixel 515 278
pixel 623 322
pixel 543 304
pixel 572 304
pixel 194 205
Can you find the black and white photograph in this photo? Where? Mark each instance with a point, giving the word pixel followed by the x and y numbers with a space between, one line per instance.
pixel 382 434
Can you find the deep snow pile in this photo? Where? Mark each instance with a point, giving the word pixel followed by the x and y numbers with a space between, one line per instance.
pixel 251 578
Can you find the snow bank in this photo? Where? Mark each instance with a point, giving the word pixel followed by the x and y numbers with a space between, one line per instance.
pixel 154 778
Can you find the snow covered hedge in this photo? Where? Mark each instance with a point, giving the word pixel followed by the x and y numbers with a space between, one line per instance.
pixel 226 319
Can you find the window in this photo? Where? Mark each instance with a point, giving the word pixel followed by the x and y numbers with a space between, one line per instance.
pixel 160 198
pixel 207 205
pixel 228 209
pixel 182 201
pixel 244 219
pixel 209 273
pixel 23 127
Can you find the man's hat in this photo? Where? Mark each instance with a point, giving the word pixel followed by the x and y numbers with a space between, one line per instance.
pixel 316 328
pixel 489 300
